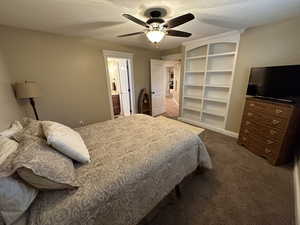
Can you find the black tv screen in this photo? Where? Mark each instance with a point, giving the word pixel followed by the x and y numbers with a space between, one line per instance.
pixel 281 82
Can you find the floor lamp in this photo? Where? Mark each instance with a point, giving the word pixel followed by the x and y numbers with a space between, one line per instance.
pixel 28 90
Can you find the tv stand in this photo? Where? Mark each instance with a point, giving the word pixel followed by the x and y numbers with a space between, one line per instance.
pixel 270 129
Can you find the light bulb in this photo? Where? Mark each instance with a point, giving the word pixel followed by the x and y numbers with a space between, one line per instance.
pixel 155 36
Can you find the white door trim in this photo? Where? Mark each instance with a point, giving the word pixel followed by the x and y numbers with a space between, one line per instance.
pixel 123 55
pixel 296 176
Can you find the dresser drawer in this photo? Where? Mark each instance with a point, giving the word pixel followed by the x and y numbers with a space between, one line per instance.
pixel 265 119
pixel 264 131
pixel 260 145
pixel 251 144
pixel 269 108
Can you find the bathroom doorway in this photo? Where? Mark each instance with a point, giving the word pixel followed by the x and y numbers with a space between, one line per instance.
pixel 120 85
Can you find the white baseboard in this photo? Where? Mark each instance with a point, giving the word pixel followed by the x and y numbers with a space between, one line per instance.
pixel 206 126
pixel 296 190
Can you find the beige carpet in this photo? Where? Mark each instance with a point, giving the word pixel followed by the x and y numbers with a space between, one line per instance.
pixel 195 130
pixel 172 109
pixel 241 189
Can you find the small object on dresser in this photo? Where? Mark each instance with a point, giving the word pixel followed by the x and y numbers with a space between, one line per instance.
pixel 270 129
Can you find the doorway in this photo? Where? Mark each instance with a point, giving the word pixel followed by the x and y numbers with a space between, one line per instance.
pixel 173 88
pixel 120 84
pixel 165 87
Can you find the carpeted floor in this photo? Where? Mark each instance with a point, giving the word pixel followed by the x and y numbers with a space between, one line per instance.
pixel 172 109
pixel 242 189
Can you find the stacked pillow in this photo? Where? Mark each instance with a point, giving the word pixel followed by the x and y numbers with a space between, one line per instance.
pixel 15 195
pixel 30 159
pixel 66 141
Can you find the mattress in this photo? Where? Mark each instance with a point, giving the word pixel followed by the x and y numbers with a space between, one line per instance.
pixel 136 162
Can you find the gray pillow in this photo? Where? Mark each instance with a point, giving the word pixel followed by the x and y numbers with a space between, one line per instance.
pixel 15 195
pixel 15 198
pixel 43 167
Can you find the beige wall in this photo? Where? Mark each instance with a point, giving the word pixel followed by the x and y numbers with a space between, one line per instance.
pixel 9 107
pixel 171 51
pixel 70 71
pixel 269 45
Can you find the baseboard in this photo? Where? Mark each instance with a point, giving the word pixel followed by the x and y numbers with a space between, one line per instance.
pixel 296 190
pixel 206 126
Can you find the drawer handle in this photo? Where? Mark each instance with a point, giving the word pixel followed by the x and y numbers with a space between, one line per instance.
pixel 247 122
pixel 278 111
pixel 250 114
pixel 252 104
pixel 268 150
pixel 270 142
pixel 275 122
pixel 246 131
pixel 244 139
pixel 272 132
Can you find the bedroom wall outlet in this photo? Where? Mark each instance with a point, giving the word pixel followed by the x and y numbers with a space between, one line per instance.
pixel 81 122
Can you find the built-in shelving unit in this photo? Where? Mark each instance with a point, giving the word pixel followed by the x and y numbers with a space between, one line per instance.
pixel 208 75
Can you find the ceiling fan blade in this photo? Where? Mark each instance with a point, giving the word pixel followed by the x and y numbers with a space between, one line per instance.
pixel 179 20
pixel 178 33
pixel 136 20
pixel 131 34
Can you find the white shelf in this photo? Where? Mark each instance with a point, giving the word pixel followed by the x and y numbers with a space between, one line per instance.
pixel 219 71
pixel 193 85
pixel 192 108
pixel 215 113
pixel 191 115
pixel 209 71
pixel 196 57
pixel 222 54
pixel 193 97
pixel 218 85
pixel 216 100
pixel 193 72
pixel 208 85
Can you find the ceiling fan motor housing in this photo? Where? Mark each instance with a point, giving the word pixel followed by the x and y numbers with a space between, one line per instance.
pixel 155 20
pixel 155 15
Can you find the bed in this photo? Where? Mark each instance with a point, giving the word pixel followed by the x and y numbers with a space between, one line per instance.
pixel 136 162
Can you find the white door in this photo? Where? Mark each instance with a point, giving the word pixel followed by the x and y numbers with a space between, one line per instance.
pixel 158 86
pixel 124 88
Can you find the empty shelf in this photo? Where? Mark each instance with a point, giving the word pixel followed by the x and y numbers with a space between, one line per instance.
pixel 216 100
pixel 192 108
pixel 222 54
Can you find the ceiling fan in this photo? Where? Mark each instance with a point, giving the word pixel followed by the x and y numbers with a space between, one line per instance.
pixel 157 27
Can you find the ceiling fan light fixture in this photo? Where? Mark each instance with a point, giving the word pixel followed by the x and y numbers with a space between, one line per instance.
pixel 155 36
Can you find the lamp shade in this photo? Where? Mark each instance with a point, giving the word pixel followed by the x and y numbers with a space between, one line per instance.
pixel 27 89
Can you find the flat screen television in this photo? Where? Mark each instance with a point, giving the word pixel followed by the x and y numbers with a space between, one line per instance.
pixel 276 82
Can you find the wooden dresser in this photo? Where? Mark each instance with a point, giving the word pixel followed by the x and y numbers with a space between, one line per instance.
pixel 116 104
pixel 269 129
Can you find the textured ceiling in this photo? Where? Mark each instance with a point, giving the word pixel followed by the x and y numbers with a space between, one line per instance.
pixel 102 19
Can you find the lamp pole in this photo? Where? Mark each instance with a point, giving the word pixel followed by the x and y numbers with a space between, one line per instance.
pixel 34 109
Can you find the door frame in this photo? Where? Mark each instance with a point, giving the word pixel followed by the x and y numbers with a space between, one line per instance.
pixel 122 55
pixel 167 63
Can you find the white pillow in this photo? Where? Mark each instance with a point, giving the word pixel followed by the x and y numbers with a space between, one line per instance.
pixel 15 127
pixel 15 198
pixel 66 141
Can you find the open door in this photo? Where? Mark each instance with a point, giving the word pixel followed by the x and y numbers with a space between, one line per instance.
pixel 158 87
pixel 124 88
